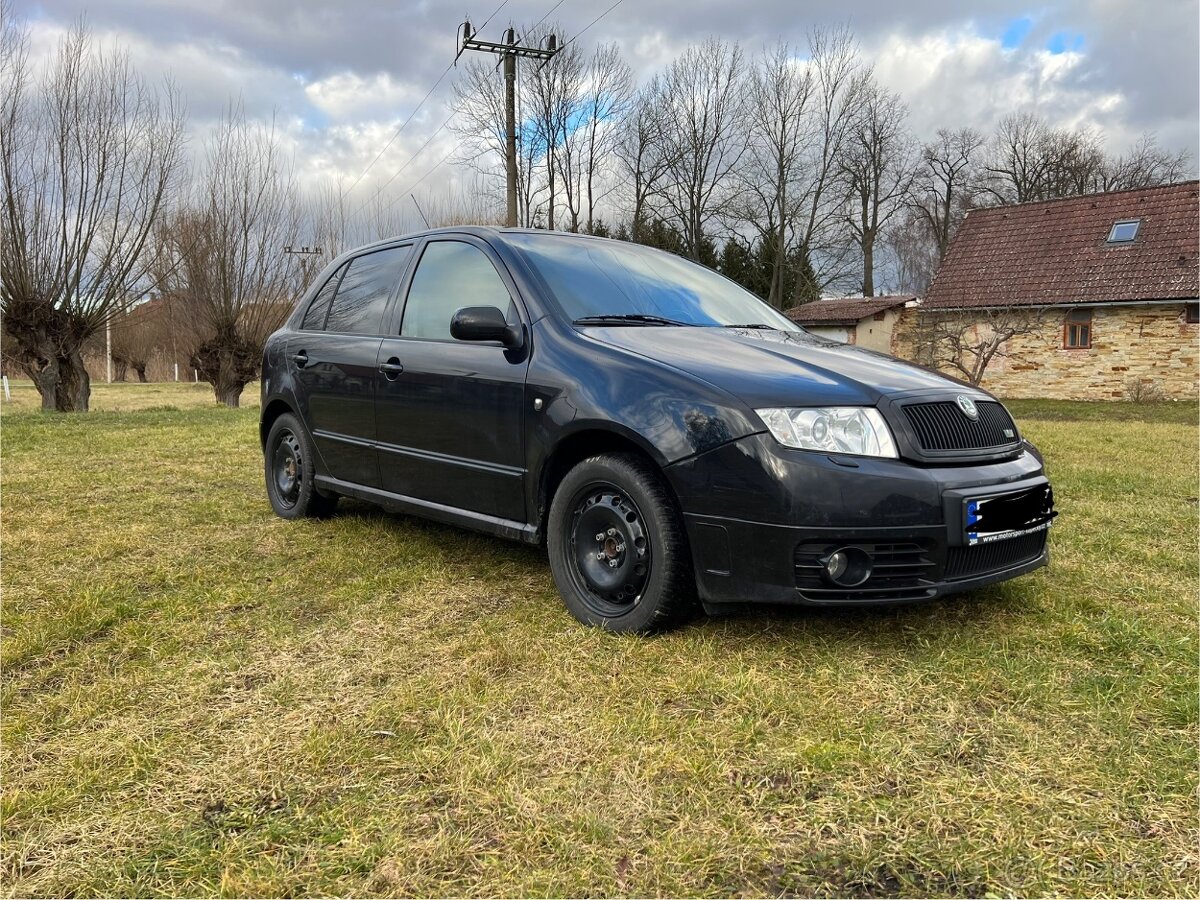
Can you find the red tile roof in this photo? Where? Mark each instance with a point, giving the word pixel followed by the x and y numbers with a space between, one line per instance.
pixel 843 310
pixel 1056 251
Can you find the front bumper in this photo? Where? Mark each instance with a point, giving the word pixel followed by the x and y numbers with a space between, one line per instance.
pixel 761 518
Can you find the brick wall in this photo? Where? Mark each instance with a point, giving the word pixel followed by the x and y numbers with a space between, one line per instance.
pixel 1134 347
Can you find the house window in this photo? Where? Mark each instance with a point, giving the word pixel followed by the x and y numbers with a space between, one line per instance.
pixel 1077 331
pixel 1124 232
pixel 1192 316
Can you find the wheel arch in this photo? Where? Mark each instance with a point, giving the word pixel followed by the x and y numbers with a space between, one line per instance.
pixel 272 411
pixel 580 444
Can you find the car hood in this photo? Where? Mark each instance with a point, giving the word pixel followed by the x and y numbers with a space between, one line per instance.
pixel 775 368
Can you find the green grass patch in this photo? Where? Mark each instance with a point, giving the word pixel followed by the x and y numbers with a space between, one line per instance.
pixel 201 699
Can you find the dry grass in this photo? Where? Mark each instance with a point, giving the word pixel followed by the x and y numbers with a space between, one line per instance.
pixel 129 396
pixel 200 698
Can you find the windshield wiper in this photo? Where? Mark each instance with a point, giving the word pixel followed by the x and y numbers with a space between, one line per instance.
pixel 754 325
pixel 628 319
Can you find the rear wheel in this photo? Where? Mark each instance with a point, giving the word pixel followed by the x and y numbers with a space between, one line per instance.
pixel 290 473
pixel 617 546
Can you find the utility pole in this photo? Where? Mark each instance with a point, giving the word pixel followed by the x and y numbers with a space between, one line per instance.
pixel 508 50
pixel 303 251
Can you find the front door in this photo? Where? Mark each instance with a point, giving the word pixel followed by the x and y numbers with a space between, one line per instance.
pixel 448 412
pixel 334 357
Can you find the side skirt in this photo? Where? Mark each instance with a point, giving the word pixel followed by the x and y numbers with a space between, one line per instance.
pixel 449 515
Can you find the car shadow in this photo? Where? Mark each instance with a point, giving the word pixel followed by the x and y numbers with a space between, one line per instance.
pixel 983 610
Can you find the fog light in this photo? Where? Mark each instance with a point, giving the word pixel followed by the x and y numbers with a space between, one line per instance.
pixel 848 566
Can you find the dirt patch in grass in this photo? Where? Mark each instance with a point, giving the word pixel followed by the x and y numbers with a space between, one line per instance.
pixel 200 699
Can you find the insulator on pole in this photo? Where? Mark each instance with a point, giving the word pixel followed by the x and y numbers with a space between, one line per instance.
pixel 510 35
pixel 466 31
pixel 552 43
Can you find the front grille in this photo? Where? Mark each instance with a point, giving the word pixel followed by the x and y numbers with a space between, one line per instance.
pixel 941 425
pixel 901 572
pixel 968 562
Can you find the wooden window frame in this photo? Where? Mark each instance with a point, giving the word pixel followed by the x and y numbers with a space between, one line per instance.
pixel 1191 314
pixel 1075 327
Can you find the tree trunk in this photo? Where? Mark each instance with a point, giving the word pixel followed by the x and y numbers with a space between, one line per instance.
pixel 868 267
pixel 141 374
pixel 228 362
pixel 120 369
pixel 229 393
pixel 62 380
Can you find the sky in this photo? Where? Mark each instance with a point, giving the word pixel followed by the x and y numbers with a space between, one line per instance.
pixel 339 79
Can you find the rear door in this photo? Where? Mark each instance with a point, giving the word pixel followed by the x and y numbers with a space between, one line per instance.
pixel 333 356
pixel 449 413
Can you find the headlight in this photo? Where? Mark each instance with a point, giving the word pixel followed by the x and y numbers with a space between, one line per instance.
pixel 848 429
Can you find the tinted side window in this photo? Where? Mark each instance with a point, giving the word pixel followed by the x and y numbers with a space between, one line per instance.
pixel 364 291
pixel 314 318
pixel 449 276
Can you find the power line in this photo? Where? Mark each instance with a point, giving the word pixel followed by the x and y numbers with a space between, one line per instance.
pixel 397 132
pixel 548 14
pixel 403 124
pixel 591 23
pixel 412 187
pixel 493 15
pixel 411 160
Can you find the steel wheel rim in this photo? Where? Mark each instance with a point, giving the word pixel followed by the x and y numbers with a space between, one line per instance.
pixel 287 469
pixel 609 554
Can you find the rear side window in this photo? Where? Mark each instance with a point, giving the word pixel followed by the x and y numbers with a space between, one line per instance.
pixel 363 294
pixel 314 319
pixel 450 275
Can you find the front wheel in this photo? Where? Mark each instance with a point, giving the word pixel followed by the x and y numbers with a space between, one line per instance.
pixel 617 547
pixel 290 472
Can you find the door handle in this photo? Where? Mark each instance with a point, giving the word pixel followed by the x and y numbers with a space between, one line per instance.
pixel 301 359
pixel 391 369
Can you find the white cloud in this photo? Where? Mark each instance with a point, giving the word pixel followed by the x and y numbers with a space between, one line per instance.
pixel 347 96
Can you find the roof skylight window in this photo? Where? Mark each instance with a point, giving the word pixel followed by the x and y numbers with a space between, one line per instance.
pixel 1124 232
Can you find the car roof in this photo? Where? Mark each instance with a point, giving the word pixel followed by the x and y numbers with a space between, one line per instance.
pixel 480 231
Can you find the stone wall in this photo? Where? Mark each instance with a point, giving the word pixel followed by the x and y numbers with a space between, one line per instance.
pixel 1137 350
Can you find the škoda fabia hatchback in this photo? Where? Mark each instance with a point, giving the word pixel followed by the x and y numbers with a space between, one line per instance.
pixel 668 436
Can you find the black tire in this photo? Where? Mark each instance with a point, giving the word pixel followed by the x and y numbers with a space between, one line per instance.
pixel 617 548
pixel 290 474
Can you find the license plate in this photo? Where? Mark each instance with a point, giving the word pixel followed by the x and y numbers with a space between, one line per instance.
pixel 1003 516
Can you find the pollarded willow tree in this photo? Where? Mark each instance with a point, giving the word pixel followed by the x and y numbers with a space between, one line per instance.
pixel 222 258
pixel 89 155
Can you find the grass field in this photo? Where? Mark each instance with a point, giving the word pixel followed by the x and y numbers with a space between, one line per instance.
pixel 199 698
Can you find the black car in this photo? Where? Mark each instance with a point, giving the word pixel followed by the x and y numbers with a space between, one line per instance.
pixel 668 435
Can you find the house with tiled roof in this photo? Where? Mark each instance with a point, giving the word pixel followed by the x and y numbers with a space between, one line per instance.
pixel 1111 280
pixel 867 321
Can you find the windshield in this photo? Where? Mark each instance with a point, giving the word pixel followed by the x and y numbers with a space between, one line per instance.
pixel 614 280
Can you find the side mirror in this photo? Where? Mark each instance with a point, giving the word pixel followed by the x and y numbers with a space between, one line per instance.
pixel 484 323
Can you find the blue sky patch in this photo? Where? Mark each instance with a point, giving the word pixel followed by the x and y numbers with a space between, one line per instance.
pixel 1065 42
pixel 1015 32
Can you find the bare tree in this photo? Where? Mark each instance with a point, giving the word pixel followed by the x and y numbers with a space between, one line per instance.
pixel 1028 160
pixel 555 95
pixel 779 93
pixel 1144 165
pixel 707 135
pixel 137 332
pixel 968 341
pixel 644 156
pixel 944 188
pixel 89 156
pixel 913 253
pixel 224 259
pixel 607 96
pixel 838 79
pixel 480 122
pixel 877 166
